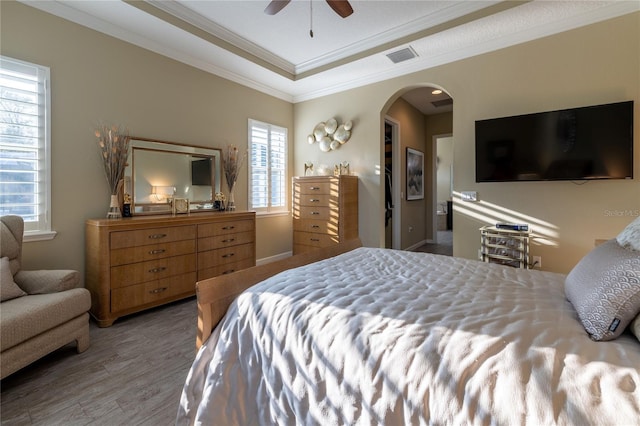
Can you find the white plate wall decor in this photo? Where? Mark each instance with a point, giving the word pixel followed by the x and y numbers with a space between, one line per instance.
pixel 330 135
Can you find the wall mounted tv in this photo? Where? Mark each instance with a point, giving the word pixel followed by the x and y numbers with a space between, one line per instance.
pixel 594 142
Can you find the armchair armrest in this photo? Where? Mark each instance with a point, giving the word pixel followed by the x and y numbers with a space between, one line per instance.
pixel 47 281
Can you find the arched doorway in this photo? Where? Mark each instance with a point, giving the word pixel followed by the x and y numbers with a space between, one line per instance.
pixel 412 118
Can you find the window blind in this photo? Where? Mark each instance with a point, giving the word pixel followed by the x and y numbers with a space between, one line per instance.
pixel 267 167
pixel 24 137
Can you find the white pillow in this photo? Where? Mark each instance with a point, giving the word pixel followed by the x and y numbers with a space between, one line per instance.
pixel 604 289
pixel 629 238
pixel 8 288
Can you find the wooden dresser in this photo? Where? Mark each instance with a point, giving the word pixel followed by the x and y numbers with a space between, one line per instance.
pixel 140 262
pixel 325 211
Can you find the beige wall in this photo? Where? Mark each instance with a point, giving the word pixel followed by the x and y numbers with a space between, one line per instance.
pixel 96 77
pixel 592 65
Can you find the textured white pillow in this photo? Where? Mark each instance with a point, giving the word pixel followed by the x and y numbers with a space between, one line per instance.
pixel 604 289
pixel 630 236
pixel 8 288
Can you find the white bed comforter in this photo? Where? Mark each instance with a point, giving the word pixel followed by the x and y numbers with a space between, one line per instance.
pixel 378 336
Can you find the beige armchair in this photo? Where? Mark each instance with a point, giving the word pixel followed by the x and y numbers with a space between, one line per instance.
pixel 40 311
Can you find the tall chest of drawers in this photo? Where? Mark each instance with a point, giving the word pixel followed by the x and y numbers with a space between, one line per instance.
pixel 325 211
pixel 137 263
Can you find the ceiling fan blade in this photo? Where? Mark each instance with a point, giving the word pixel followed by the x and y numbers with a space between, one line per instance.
pixel 275 6
pixel 341 7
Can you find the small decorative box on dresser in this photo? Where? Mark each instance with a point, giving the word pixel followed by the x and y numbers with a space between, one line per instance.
pixel 325 211
pixel 137 263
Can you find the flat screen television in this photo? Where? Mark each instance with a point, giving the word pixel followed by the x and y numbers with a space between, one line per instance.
pixel 594 142
pixel 201 172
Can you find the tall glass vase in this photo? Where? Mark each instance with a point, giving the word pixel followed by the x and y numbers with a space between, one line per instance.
pixel 114 208
pixel 231 203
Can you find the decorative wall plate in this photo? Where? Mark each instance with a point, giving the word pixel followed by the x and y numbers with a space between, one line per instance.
pixel 330 126
pixel 319 132
pixel 342 135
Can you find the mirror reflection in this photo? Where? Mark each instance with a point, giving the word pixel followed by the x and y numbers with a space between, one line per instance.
pixel 159 171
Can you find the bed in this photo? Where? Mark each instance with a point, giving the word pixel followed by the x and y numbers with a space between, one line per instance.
pixel 379 336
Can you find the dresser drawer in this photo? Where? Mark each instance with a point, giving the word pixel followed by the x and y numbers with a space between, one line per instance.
pixel 322 200
pixel 228 268
pixel 223 256
pixel 221 228
pixel 317 213
pixel 152 291
pixel 225 240
pixel 152 270
pixel 313 187
pixel 315 240
pixel 143 237
pixel 154 251
pixel 316 226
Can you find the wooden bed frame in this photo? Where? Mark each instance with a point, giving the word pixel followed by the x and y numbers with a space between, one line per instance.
pixel 216 294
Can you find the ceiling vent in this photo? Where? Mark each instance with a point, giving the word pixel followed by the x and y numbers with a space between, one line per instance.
pixel 402 55
pixel 443 102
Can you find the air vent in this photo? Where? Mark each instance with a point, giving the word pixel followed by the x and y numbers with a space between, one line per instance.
pixel 402 55
pixel 443 102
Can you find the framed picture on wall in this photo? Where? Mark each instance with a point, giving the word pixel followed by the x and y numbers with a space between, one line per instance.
pixel 415 174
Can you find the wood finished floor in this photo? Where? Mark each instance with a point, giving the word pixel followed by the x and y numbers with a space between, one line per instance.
pixel 444 246
pixel 132 374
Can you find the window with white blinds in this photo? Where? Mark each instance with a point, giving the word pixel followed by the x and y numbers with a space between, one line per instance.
pixel 24 144
pixel 267 167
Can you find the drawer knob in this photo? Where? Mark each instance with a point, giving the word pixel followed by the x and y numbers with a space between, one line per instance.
pixel 315 239
pixel 228 271
pixel 158 290
pixel 228 255
pixel 314 213
pixel 157 251
pixel 314 188
pixel 156 270
pixel 226 228
pixel 157 236
pixel 314 200
pixel 315 226
pixel 229 240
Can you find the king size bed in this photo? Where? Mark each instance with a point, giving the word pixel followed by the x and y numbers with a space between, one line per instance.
pixel 378 336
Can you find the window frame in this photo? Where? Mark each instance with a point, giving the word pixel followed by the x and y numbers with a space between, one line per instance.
pixel 40 229
pixel 269 209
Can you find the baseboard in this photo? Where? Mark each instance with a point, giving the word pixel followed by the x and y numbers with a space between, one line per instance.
pixel 416 245
pixel 275 258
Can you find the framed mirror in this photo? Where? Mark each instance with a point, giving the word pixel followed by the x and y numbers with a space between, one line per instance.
pixel 159 171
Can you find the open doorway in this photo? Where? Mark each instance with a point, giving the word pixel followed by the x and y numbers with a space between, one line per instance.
pixel 443 189
pixel 411 119
pixel 392 193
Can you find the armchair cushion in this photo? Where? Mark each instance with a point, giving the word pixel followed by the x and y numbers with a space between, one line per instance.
pixel 47 281
pixel 30 316
pixel 8 288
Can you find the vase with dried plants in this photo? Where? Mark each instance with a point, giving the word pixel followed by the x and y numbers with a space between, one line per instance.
pixel 113 142
pixel 232 161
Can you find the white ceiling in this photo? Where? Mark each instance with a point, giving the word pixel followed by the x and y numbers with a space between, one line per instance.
pixel 275 54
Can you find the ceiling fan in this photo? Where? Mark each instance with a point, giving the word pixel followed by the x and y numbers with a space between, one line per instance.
pixel 341 7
